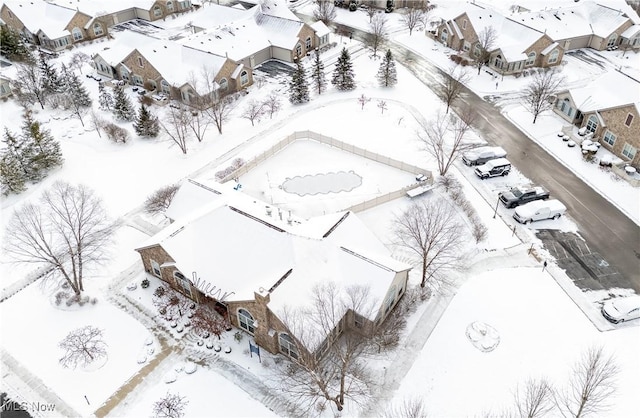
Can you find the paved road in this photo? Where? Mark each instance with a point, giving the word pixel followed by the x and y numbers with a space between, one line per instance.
pixel 606 229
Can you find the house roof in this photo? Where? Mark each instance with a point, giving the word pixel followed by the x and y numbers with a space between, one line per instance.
pixel 630 31
pixel 584 18
pixel 38 15
pixel 102 7
pixel 232 244
pixel 320 28
pixel 611 89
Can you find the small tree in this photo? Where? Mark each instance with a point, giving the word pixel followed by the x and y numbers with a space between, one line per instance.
pixel 299 86
pixel 122 107
pixel 272 104
pixel 51 80
pixel 429 229
pixel 486 43
pixel 12 177
pixel 29 83
pixel 146 123
pixel 538 95
pixel 382 105
pixel 253 111
pixel 412 18
pixel 343 76
pixel 41 149
pixel 171 406
pixel 377 32
pixel 591 386
pixel 387 76
pixel 78 98
pixel 363 100
pixel 453 84
pixel 105 99
pixel 220 111
pixel 207 321
pixel 78 60
pixel 409 408
pixel 170 303
pixel 534 399
pixel 115 132
pixel 17 154
pixel 159 201
pixel 13 46
pixel 176 125
pixel 82 347
pixel 324 11
pixel 317 74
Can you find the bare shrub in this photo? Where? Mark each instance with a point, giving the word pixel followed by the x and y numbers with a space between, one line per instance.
pixel 170 406
pixel 82 347
pixel 115 133
pixel 159 201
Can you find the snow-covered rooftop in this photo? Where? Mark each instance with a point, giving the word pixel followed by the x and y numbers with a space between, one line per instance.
pixel 40 15
pixel 102 7
pixel 612 89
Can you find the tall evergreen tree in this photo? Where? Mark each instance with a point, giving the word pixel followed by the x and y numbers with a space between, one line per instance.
pixel 317 74
pixel 299 87
pixel 15 150
pixel 12 178
pixel 343 74
pixel 51 81
pixel 42 150
pixel 122 106
pixel 387 75
pixel 13 46
pixel 78 97
pixel 146 123
pixel 105 99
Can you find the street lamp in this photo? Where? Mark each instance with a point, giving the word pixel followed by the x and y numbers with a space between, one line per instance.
pixel 495 211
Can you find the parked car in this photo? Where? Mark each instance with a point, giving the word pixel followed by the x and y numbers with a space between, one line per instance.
pixel 520 195
pixel 539 210
pixel 481 155
pixel 622 309
pixel 493 168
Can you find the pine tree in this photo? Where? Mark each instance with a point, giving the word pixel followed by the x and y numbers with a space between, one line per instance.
pixel 387 75
pixel 13 46
pixel 42 150
pixel 51 82
pixel 122 106
pixel 78 97
pixel 317 75
pixel 343 74
pixel 15 150
pixel 105 99
pixel 146 123
pixel 12 178
pixel 299 88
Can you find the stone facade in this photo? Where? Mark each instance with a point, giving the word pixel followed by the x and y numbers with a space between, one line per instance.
pixel 163 8
pixel 97 29
pixel 627 138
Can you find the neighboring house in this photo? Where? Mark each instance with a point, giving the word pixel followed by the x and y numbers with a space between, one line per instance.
pixel 5 87
pixel 49 25
pixel 253 261
pixel 517 47
pixel 609 107
pixel 114 12
pixel 170 67
pixel 586 24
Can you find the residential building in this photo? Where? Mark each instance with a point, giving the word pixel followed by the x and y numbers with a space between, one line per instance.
pixel 254 261
pixel 608 107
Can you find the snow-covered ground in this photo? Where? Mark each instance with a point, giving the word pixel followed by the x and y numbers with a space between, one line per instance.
pixel 541 330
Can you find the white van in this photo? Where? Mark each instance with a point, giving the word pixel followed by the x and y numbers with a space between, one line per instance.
pixel 539 210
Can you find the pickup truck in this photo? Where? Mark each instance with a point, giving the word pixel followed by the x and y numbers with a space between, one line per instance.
pixel 520 195
pixel 539 210
pixel 481 155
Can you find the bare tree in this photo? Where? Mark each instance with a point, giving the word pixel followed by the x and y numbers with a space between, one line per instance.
pixel 96 122
pixel 206 321
pixel 203 86
pixel 452 84
pixel 29 83
pixel 171 406
pixel 272 104
pixel 325 11
pixel 253 111
pixel 78 59
pixel 363 100
pixel 486 43
pixel 534 399
pixel 377 32
pixel 67 230
pixel 444 137
pixel 539 94
pixel 371 12
pixel 171 304
pixel 592 383
pixel 82 347
pixel 412 18
pixel 220 111
pixel 337 370
pixel 429 229
pixel 382 105
pixel 176 125
pixel 159 201
pixel 410 408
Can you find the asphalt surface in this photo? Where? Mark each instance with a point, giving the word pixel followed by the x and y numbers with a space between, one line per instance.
pixel 613 240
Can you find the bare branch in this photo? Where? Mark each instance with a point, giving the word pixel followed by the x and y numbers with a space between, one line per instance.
pixel 171 406
pixel 82 347
pixel 539 94
pixel 377 32
pixel 176 125
pixel 159 201
pixel 253 111
pixel 453 84
pixel 535 399
pixel 487 39
pixel 325 11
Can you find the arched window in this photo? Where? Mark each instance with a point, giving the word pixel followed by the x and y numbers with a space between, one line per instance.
pixel 531 58
pixel 565 107
pixel 612 40
pixel 224 84
pixel 244 77
pixel 97 29
pixel 183 283
pixel 287 346
pixel 77 34
pixel 246 321
pixel 592 123
pixel 307 44
pixel 553 57
pixel 124 73
pixel 298 50
pixel 170 6
pixel 157 11
pixel 165 87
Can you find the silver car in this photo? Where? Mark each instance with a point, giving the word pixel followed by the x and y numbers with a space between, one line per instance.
pixel 622 309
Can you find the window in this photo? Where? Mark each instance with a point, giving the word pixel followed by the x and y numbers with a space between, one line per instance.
pixel 183 282
pixel 612 40
pixel 464 24
pixel 246 321
pixel 97 29
pixel 298 50
pixel 224 84
pixel 553 57
pixel 307 44
pixel 165 87
pixel 137 80
pixel 531 58
pixel 124 74
pixel 170 6
pixel 391 298
pixel 477 50
pixel 609 138
pixel 565 107
pixel 629 119
pixel 444 35
pixel 466 46
pixel 592 123
pixel 155 268
pixel 140 62
pixel 244 77
pixel 185 4
pixel 629 151
pixel 157 11
pixel 77 34
pixel 4 89
pixel 287 346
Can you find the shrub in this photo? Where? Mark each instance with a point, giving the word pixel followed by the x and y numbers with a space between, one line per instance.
pixel 456 58
pixel 159 292
pixel 145 283
pixel 115 133
pixel 94 301
pixel 238 336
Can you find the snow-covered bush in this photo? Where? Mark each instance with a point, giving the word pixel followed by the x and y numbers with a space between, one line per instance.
pixel 116 133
